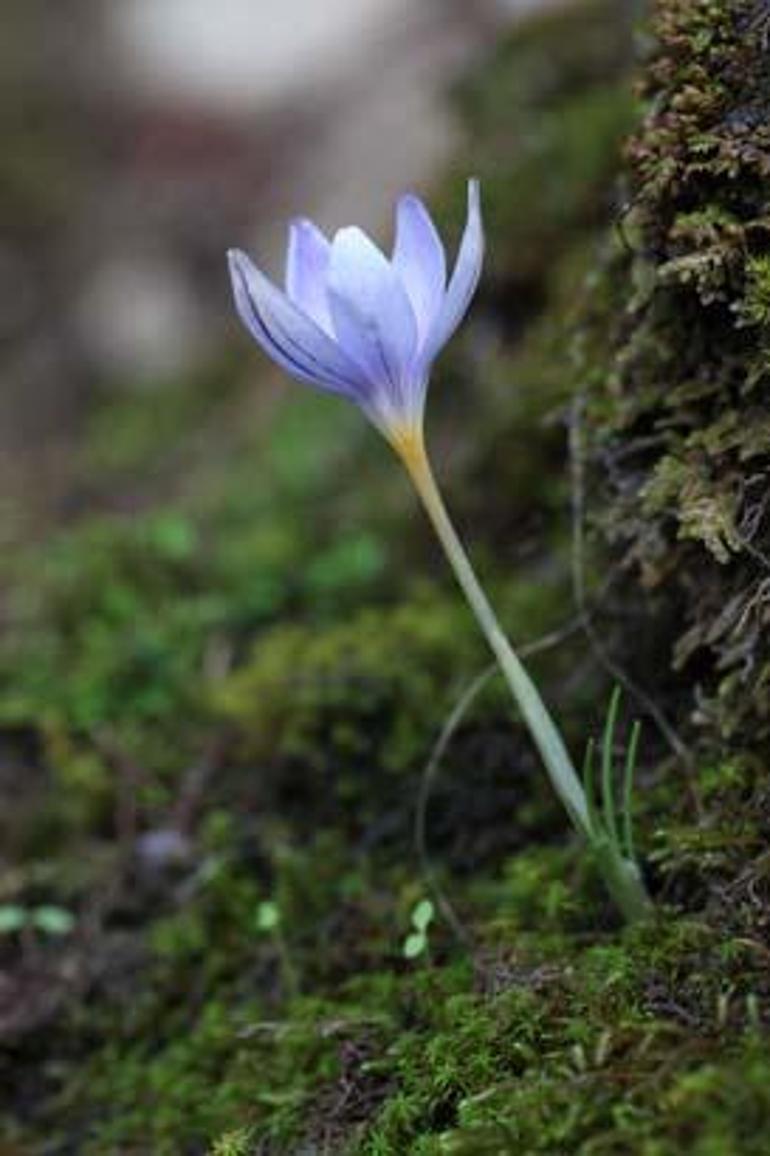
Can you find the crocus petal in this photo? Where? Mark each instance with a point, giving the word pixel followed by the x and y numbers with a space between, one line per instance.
pixel 287 335
pixel 464 279
pixel 372 317
pixel 420 261
pixel 307 266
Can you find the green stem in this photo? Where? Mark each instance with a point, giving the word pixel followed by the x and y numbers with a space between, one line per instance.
pixel 622 879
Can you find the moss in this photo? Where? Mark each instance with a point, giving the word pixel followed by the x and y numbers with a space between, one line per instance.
pixel 538 1040
pixel 121 629
pixel 545 1061
pixel 203 1080
pixel 640 1042
pixel 233 1143
pixel 755 307
pixel 338 694
pixel 677 358
pixel 698 1110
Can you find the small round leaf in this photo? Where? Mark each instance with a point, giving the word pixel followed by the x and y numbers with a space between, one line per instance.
pixel 12 918
pixel 422 916
pixel 414 945
pixel 52 920
pixel 268 916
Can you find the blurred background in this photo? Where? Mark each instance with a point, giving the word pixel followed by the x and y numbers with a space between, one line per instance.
pixel 142 139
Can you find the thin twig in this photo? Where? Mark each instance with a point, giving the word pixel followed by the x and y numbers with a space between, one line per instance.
pixel 452 722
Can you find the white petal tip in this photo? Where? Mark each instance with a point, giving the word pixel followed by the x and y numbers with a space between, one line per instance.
pixel 350 233
pixel 235 258
pixel 304 227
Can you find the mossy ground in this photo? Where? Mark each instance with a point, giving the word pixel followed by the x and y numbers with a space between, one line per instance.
pixel 216 712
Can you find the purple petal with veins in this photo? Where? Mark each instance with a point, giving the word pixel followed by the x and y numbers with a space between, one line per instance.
pixel 307 268
pixel 464 279
pixel 372 317
pixel 289 336
pixel 353 322
pixel 420 261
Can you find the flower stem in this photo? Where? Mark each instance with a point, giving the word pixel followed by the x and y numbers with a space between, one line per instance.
pixel 621 876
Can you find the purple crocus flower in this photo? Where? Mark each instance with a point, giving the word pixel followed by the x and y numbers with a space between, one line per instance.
pixel 353 322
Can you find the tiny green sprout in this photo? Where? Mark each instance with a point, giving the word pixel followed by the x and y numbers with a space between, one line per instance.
pixel 609 827
pixel 416 942
pixel 12 918
pixel 47 919
pixel 268 921
pixel 423 915
pixel 268 917
pixel 52 920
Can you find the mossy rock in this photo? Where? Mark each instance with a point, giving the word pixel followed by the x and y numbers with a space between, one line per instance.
pixel 647 1044
pixel 674 355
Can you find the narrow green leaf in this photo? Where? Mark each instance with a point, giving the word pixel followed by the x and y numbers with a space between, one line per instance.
pixel 628 786
pixel 608 794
